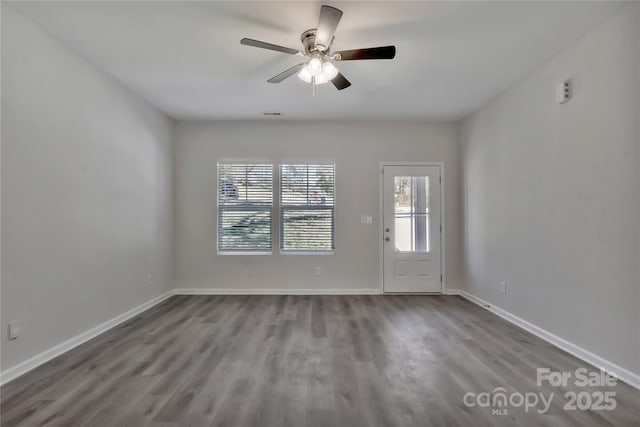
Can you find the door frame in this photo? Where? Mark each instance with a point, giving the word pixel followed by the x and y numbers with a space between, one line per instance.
pixel 443 286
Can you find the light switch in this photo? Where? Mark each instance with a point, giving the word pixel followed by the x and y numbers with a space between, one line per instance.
pixel 366 219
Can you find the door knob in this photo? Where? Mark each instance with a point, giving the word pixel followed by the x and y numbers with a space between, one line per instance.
pixel 387 238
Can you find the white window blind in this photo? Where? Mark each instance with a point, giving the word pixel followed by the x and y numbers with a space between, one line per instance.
pixel 307 214
pixel 245 207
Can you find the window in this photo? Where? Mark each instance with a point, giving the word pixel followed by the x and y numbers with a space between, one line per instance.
pixel 307 196
pixel 245 207
pixel 411 213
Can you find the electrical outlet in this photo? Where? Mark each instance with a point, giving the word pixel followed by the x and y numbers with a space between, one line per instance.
pixel 503 287
pixel 14 330
pixel 318 271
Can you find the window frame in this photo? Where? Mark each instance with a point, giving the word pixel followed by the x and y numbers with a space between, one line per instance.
pixel 246 162
pixel 282 208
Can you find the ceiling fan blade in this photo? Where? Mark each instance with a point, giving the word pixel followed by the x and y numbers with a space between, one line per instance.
pixel 265 45
pixel 327 24
pixel 287 73
pixel 382 52
pixel 340 82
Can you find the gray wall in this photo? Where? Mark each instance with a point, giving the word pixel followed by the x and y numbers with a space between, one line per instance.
pixel 357 149
pixel 551 195
pixel 86 194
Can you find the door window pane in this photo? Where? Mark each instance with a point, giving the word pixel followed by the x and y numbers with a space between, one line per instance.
pixel 411 213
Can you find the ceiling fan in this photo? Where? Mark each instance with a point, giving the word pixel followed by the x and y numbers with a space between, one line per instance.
pixel 317 42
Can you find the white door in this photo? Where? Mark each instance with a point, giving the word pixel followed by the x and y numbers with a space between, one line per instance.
pixel 411 229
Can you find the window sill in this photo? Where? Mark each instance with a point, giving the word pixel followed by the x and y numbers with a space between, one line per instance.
pixel 307 252
pixel 244 253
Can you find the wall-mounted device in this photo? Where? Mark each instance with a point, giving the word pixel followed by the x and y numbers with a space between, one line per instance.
pixel 14 330
pixel 564 91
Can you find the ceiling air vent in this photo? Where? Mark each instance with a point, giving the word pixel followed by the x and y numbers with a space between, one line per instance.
pixel 272 114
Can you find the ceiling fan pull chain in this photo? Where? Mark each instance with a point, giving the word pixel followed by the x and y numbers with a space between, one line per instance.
pixel 314 86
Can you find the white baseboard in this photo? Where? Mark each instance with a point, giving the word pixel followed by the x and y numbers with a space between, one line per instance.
pixel 26 366
pixel 623 374
pixel 232 291
pixel 32 363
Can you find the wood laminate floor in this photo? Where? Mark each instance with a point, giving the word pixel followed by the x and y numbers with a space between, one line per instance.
pixel 303 361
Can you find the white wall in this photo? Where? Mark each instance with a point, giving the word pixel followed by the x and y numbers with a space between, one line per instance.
pixel 86 194
pixel 551 195
pixel 357 149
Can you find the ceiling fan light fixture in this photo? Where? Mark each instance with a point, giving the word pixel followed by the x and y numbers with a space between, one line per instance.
pixel 321 79
pixel 322 71
pixel 306 76
pixel 329 70
pixel 314 66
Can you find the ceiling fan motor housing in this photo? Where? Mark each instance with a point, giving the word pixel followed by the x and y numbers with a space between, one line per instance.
pixel 308 39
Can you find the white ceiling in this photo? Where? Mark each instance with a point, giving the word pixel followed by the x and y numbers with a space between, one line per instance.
pixel 186 59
